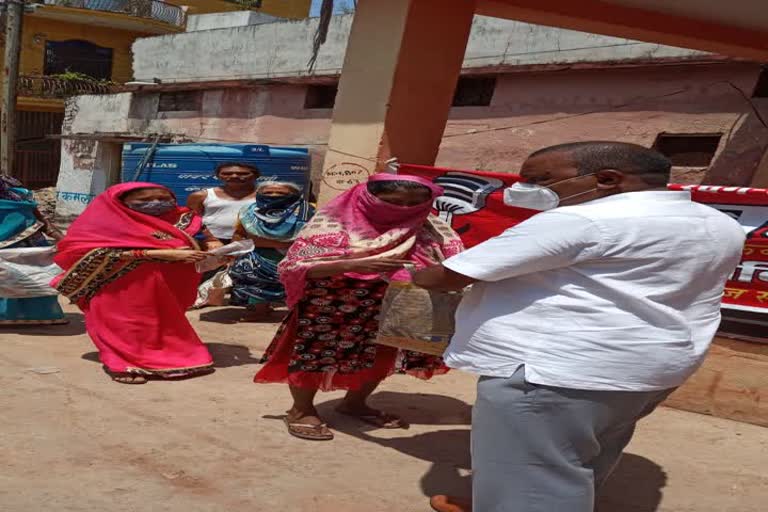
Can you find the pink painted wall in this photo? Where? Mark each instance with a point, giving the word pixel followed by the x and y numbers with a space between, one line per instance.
pixel 529 110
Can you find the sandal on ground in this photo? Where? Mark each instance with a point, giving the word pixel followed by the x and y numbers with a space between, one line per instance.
pixel 308 432
pixel 127 378
pixel 380 419
pixel 185 374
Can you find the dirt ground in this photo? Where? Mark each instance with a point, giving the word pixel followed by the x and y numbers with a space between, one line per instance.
pixel 72 440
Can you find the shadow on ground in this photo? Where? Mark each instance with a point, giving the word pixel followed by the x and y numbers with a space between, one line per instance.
pixel 635 486
pixel 224 355
pixel 75 327
pixel 447 450
pixel 227 356
pixel 230 316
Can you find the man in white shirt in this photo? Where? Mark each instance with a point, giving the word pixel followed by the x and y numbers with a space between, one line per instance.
pixel 581 320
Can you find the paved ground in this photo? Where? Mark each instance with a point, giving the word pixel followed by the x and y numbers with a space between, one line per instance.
pixel 71 440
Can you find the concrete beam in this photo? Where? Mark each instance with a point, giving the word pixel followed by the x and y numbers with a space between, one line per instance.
pixel 602 17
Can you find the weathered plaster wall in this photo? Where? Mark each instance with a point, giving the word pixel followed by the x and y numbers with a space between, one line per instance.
pixel 532 110
pixel 528 111
pixel 283 49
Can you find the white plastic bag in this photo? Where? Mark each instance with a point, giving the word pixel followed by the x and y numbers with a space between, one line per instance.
pixel 27 272
pixel 218 257
pixel 213 291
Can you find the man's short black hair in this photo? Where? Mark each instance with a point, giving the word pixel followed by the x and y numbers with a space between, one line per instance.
pixel 250 167
pixel 594 156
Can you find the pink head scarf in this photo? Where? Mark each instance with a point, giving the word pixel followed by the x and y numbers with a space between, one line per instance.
pixel 367 215
pixel 108 223
pixel 357 225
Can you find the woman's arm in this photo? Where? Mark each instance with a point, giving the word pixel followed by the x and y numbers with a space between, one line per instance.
pixel 209 241
pixel 48 228
pixel 362 267
pixel 271 244
pixel 168 255
pixel 242 234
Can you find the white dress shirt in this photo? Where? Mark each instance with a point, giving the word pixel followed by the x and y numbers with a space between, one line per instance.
pixel 620 293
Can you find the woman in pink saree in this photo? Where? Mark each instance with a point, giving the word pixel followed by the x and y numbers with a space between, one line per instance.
pixel 335 276
pixel 129 266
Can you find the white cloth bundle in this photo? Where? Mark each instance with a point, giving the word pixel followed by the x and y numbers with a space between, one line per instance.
pixel 27 272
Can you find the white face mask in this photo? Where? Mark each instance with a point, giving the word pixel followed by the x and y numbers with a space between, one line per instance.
pixel 531 197
pixel 537 197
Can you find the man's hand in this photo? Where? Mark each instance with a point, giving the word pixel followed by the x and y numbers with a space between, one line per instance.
pixel 441 279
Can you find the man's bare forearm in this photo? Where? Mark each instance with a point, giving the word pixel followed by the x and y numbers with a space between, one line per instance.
pixel 440 278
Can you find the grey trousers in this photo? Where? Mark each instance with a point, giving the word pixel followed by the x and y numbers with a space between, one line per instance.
pixel 546 449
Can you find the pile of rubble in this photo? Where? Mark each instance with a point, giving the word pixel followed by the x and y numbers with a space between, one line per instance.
pixel 46 201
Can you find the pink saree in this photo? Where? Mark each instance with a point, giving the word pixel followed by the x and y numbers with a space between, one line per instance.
pixel 134 311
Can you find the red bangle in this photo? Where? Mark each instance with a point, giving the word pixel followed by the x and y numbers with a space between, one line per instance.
pixel 139 254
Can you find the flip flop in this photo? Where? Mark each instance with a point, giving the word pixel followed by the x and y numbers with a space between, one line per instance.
pixel 185 374
pixel 380 420
pixel 130 378
pixel 309 432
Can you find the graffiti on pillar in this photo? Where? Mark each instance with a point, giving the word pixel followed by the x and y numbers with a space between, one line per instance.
pixel 345 175
pixel 77 197
pixel 83 153
pixel 71 110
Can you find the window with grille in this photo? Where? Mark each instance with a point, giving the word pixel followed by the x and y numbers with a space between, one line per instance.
pixel 688 150
pixel 474 91
pixel 321 96
pixel 76 56
pixel 180 101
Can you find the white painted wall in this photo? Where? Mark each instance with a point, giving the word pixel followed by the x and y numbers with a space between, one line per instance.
pixel 283 49
pixel 220 20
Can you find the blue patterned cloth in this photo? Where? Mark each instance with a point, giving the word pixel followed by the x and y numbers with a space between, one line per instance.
pixel 254 275
pixel 17 213
pixel 276 217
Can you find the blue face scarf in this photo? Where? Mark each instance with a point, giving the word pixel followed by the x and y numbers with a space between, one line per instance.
pixel 267 203
pixel 276 217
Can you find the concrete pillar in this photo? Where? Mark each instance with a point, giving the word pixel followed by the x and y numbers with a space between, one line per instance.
pixel 400 71
pixel 760 178
pixel 88 167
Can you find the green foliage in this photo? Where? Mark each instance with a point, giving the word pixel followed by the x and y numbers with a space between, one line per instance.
pixel 248 4
pixel 74 76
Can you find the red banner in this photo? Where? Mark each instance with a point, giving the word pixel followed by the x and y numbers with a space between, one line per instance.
pixel 473 204
pixel 747 289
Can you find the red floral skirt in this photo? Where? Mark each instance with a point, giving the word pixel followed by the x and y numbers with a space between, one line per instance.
pixel 327 341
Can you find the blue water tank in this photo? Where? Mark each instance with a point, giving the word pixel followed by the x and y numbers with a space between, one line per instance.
pixel 187 168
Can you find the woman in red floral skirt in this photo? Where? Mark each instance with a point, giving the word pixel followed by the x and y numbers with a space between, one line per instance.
pixel 335 276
